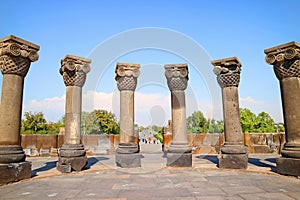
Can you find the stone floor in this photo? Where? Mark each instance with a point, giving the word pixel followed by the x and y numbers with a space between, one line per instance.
pixel 103 180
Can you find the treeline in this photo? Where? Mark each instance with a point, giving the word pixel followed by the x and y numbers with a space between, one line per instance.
pixel 95 122
pixel 102 121
pixel 250 123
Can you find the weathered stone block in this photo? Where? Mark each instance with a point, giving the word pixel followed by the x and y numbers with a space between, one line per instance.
pixel 14 172
pixel 288 166
pixel 179 159
pixel 128 160
pixel 67 164
pixel 233 161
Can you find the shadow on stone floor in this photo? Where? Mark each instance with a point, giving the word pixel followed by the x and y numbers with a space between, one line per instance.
pixel 93 160
pixel 259 163
pixel 211 158
pixel 272 160
pixel 48 166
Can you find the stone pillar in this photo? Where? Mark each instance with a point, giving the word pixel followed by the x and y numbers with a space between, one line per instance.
pixel 233 153
pixel 72 155
pixel 15 58
pixel 127 154
pixel 286 62
pixel 179 153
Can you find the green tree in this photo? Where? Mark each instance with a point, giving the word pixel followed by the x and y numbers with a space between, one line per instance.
pixel 156 128
pixel 197 123
pixel 265 123
pixel 98 122
pixel 260 123
pixel 141 128
pixel 216 126
pixel 33 123
pixel 248 120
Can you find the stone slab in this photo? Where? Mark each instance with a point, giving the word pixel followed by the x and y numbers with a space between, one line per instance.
pixel 128 160
pixel 288 166
pixel 233 161
pixel 14 172
pixel 179 159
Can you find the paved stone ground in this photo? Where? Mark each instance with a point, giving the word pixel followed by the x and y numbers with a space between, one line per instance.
pixel 102 180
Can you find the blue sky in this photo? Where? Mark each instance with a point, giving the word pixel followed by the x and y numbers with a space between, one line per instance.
pixel 83 28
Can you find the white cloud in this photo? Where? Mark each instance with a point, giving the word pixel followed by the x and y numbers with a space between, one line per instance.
pixel 150 109
pixel 53 108
pixel 249 100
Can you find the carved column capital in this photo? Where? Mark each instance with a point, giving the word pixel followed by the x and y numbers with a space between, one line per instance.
pixel 177 76
pixel 16 55
pixel 228 71
pixel 74 70
pixel 285 60
pixel 126 75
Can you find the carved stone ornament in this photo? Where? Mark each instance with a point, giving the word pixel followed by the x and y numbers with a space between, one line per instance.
pixel 285 60
pixel 228 71
pixel 177 76
pixel 126 76
pixel 74 70
pixel 16 55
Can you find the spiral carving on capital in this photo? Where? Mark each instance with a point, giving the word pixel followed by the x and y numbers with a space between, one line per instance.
pixel 74 70
pixel 285 60
pixel 16 55
pixel 126 76
pixel 228 71
pixel 177 76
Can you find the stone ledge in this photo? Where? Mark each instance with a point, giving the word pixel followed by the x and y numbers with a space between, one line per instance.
pixel 14 172
pixel 288 166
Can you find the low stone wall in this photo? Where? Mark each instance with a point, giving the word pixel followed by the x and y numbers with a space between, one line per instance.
pixel 48 145
pixel 211 143
pixel 264 142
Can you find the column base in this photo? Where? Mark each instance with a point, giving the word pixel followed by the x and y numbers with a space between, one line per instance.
pixel 288 166
pixel 179 155
pixel 128 156
pixel 128 160
pixel 72 157
pixel 291 151
pixel 179 159
pixel 233 157
pixel 13 172
pixel 11 154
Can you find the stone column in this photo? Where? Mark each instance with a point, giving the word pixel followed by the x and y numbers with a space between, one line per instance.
pixel 15 57
pixel 127 155
pixel 286 62
pixel 179 153
pixel 72 155
pixel 233 153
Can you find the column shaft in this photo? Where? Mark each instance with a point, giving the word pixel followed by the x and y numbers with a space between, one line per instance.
pixel 72 155
pixel 290 93
pixel 231 113
pixel 11 109
pixel 178 117
pixel 179 153
pixel 16 56
pixel 285 59
pixel 233 153
pixel 127 154
pixel 73 115
pixel 127 116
